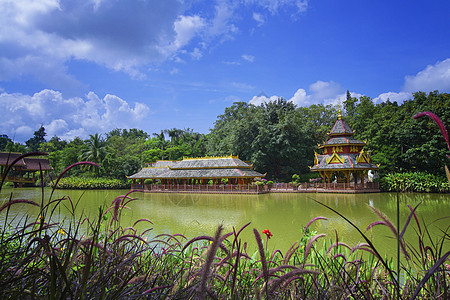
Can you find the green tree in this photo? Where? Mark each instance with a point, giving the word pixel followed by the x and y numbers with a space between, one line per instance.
pixel 94 150
pixel 274 136
pixel 4 142
pixel 37 139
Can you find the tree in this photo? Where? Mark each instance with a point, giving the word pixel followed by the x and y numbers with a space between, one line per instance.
pixel 37 139
pixel 4 142
pixel 94 150
pixel 273 136
pixel 54 144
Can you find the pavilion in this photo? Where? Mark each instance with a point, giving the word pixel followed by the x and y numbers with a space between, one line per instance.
pixel 24 170
pixel 344 160
pixel 198 174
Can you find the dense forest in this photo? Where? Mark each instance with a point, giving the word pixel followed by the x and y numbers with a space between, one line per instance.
pixel 278 137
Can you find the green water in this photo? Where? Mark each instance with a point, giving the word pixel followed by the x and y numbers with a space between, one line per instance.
pixel 283 214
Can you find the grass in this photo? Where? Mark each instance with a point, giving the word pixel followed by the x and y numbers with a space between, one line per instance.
pixel 98 258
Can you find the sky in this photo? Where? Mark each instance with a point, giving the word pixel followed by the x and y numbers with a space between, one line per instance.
pixel 85 67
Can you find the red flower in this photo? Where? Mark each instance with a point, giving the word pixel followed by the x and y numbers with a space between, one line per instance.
pixel 268 233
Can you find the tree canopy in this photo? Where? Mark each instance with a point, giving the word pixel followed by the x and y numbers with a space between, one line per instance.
pixel 278 137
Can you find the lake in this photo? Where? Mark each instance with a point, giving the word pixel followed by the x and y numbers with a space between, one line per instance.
pixel 285 215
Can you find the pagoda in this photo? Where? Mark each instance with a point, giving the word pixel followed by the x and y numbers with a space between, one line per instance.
pixel 343 156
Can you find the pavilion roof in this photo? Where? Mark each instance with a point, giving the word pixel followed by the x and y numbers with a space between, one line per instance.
pixel 6 158
pixel 341 128
pixel 210 163
pixel 343 140
pixel 149 173
pixel 164 163
pixel 209 173
pixel 207 167
pixel 32 164
pixel 350 163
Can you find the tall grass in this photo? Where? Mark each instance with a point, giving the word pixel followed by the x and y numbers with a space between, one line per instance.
pixel 99 258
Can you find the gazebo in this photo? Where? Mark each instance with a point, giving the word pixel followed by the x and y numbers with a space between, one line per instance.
pixel 24 170
pixel 343 158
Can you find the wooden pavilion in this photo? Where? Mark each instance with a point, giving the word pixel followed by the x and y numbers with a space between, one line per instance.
pixel 344 160
pixel 205 174
pixel 24 170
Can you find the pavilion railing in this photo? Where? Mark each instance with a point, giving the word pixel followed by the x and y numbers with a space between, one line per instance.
pixel 256 189
pixel 203 188
pixel 305 186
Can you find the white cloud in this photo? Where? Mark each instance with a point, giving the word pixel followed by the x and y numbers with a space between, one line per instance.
pixel 39 38
pixel 393 97
pixel 186 27
pixel 249 58
pixel 259 18
pixel 196 54
pixel 319 92
pixel 258 100
pixel 274 6
pixel 66 117
pixel 433 77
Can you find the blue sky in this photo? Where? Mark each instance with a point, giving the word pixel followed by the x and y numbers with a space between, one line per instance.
pixel 84 67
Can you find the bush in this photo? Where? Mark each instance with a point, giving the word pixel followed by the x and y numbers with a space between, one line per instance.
pixel 419 182
pixel 80 183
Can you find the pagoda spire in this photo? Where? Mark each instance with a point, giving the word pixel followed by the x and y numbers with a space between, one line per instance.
pixel 339 113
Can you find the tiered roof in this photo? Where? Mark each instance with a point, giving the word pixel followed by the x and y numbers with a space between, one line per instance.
pixel 202 168
pixel 342 151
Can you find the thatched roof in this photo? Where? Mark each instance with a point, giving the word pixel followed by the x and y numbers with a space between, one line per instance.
pixel 6 158
pixel 27 163
pixel 36 164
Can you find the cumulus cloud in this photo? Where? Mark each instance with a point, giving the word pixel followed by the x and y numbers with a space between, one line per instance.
pixel 392 97
pixel 433 77
pixel 39 37
pixel 66 117
pixel 325 92
pixel 259 100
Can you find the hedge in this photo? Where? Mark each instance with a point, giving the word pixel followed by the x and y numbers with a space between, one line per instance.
pixel 80 183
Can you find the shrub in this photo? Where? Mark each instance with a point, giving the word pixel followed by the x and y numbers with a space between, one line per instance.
pixel 414 182
pixel 80 183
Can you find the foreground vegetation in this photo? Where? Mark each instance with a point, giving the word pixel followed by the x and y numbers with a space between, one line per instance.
pixel 99 258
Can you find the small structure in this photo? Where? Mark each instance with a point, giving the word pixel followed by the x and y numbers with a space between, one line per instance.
pixel 24 170
pixel 344 159
pixel 205 174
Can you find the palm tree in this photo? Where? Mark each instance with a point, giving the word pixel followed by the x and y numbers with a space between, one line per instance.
pixel 162 143
pixel 95 150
